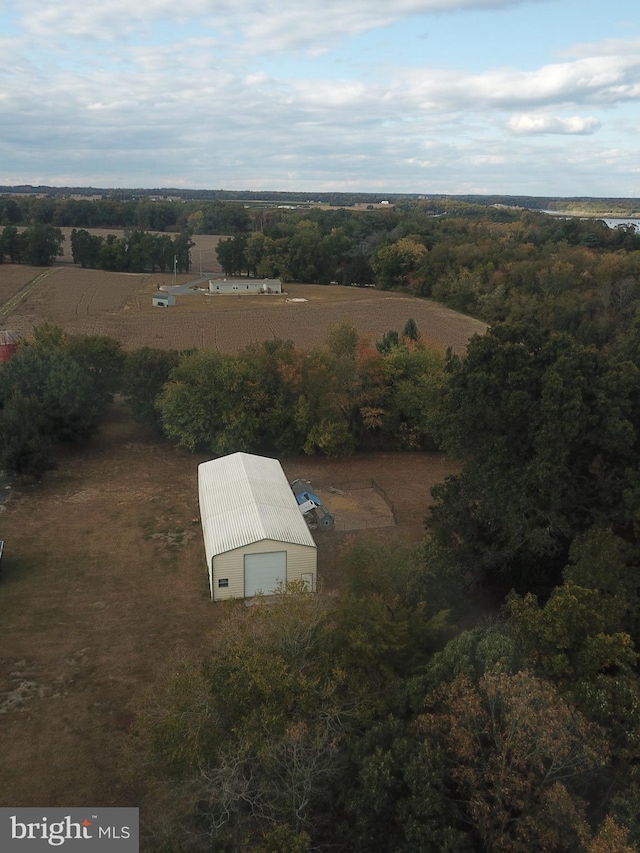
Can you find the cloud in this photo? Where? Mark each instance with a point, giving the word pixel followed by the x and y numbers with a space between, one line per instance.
pixel 269 25
pixel 600 80
pixel 604 47
pixel 529 124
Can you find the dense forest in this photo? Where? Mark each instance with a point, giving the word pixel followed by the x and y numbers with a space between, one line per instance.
pixel 477 691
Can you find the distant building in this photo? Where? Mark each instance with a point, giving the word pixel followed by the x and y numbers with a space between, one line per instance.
pixel 8 344
pixel 163 300
pixel 245 285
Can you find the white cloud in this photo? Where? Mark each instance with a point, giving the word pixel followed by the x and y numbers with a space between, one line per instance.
pixel 596 80
pixel 534 123
pixel 605 47
pixel 266 25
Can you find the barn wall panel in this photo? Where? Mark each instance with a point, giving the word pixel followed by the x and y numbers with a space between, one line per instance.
pixel 301 559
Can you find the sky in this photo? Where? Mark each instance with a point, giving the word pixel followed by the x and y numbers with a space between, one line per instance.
pixel 516 97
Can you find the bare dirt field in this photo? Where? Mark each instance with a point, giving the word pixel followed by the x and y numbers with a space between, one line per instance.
pixel 103 580
pixel 119 305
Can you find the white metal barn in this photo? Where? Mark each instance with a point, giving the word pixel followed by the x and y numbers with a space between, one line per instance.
pixel 255 536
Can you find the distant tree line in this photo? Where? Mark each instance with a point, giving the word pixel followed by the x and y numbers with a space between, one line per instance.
pixel 215 217
pixel 623 207
pixel 136 251
pixel 38 245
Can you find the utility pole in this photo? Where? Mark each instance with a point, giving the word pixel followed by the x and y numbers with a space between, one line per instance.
pixel 175 268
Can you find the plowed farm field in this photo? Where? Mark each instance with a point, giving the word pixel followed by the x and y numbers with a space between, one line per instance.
pixel 119 305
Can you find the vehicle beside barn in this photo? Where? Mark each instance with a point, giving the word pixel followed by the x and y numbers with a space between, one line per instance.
pixel 311 505
pixel 255 536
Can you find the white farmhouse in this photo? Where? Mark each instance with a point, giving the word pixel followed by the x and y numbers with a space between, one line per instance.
pixel 245 285
pixel 255 536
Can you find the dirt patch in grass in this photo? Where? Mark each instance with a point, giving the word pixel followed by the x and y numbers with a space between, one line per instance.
pixel 104 580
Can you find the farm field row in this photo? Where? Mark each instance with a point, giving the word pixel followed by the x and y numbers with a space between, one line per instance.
pixel 119 305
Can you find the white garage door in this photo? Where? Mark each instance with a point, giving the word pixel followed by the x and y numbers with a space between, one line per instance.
pixel 263 572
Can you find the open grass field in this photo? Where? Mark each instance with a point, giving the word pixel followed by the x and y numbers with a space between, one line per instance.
pixel 119 305
pixel 104 581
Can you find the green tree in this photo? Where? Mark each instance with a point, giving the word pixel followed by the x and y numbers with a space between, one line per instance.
pixel 70 406
pixel 26 449
pixel 10 244
pixel 305 251
pixel 411 331
pixel 278 366
pixel 102 360
pixel 275 261
pixel 231 255
pixel 416 381
pixel 213 401
pixel 85 248
pixel 145 372
pixel 395 263
pixel 112 253
pixel 40 244
pixel 548 428
pixel 254 251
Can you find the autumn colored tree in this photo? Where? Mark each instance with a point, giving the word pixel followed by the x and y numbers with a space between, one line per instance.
pixel 257 730
pixel 279 365
pixel 516 757
pixel 394 263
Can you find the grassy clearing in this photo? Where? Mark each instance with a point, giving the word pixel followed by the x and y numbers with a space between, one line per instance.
pixel 104 581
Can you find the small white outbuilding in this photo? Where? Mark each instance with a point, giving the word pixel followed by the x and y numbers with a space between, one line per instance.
pixel 255 536
pixel 163 300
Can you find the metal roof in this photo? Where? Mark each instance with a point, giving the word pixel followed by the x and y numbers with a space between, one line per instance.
pixel 244 499
pixel 8 337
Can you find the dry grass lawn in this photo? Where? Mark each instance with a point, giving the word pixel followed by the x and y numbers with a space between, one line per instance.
pixel 104 580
